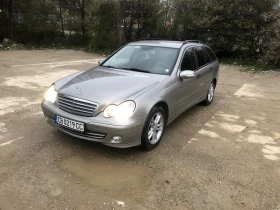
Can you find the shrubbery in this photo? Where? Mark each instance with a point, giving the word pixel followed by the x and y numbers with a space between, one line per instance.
pixel 272 56
pixel 244 29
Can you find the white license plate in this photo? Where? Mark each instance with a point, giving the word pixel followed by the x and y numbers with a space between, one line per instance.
pixel 74 125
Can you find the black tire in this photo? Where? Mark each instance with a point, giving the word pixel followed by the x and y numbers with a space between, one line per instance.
pixel 146 142
pixel 208 100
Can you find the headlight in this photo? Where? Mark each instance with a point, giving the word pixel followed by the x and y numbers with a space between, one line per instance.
pixel 124 110
pixel 51 94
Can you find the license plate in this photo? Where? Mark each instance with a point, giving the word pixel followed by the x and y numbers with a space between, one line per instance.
pixel 74 125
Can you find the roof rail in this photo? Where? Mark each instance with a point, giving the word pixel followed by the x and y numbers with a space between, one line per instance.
pixel 149 39
pixel 191 41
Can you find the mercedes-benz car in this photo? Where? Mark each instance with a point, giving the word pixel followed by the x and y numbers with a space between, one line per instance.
pixel 130 98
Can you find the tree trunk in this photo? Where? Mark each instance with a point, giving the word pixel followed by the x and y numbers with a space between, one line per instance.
pixel 82 12
pixel 10 12
pixel 61 18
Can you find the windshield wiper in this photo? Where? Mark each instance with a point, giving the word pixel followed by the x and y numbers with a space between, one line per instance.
pixel 111 67
pixel 135 69
pixel 130 69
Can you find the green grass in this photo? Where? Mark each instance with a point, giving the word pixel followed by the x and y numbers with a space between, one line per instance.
pixel 248 65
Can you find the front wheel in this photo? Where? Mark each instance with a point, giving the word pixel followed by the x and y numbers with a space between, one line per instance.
pixel 154 128
pixel 210 94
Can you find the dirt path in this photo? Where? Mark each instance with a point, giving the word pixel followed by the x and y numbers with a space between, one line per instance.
pixel 226 156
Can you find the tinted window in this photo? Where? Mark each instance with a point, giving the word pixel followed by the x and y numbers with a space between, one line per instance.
pixel 188 62
pixel 207 56
pixel 200 56
pixel 211 54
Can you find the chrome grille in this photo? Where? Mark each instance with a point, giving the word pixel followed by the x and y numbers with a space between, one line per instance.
pixel 76 106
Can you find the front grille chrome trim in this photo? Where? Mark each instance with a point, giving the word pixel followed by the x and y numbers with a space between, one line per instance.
pixel 76 106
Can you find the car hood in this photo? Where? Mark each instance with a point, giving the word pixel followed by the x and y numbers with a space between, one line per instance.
pixel 107 86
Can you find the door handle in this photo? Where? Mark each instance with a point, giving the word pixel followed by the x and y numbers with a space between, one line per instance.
pixel 198 76
pixel 211 69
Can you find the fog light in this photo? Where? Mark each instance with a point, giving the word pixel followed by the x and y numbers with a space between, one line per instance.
pixel 116 139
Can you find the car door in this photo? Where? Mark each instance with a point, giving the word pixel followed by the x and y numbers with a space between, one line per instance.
pixel 186 92
pixel 204 73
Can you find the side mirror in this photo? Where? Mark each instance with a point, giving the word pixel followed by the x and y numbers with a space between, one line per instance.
pixel 99 62
pixel 187 74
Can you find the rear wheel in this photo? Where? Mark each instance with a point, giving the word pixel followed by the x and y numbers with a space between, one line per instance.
pixel 154 128
pixel 210 94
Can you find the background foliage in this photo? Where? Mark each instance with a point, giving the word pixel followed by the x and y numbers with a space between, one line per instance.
pixel 244 29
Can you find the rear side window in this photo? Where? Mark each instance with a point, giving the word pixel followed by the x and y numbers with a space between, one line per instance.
pixel 189 62
pixel 207 56
pixel 200 56
pixel 211 54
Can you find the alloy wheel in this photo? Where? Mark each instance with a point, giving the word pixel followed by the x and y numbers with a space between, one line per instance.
pixel 211 92
pixel 156 128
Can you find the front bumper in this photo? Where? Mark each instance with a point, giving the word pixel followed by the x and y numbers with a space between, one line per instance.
pixel 98 128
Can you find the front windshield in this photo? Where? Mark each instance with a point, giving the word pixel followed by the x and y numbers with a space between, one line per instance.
pixel 148 59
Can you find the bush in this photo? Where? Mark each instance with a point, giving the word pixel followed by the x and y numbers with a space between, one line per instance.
pixel 272 57
pixel 243 29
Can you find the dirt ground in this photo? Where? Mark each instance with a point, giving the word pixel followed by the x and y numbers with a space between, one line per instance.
pixel 225 156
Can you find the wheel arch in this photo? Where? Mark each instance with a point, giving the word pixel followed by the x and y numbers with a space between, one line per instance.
pixel 165 106
pixel 215 82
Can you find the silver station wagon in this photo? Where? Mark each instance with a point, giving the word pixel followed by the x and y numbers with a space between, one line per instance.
pixel 130 98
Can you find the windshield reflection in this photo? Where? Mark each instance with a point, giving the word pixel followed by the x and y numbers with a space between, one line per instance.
pixel 147 59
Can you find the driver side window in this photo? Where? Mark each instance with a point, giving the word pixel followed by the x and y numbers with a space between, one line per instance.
pixel 189 62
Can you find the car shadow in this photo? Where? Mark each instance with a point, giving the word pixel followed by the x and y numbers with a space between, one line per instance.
pixel 89 147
